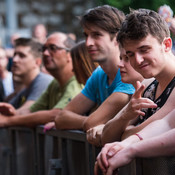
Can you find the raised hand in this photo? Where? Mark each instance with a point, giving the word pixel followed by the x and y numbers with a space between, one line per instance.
pixel 137 103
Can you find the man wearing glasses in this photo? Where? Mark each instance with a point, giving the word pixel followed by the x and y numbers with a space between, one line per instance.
pixel 62 89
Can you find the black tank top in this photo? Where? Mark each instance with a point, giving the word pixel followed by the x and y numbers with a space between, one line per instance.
pixel 150 93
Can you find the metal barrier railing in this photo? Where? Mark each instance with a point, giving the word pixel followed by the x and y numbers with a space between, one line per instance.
pixel 32 152
pixel 68 150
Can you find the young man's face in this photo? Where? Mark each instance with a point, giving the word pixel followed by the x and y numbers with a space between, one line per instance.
pixel 23 61
pixel 146 56
pixel 99 44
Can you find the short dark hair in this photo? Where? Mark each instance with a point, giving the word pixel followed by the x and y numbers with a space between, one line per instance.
pixel 36 47
pixel 140 23
pixel 105 17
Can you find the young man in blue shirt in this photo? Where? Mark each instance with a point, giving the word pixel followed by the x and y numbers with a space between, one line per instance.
pixel 104 87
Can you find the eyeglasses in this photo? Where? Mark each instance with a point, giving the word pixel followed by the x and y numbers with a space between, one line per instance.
pixel 54 48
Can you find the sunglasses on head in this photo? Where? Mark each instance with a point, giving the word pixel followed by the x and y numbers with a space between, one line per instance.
pixel 54 48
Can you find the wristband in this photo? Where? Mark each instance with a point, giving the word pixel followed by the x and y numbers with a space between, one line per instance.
pixel 141 138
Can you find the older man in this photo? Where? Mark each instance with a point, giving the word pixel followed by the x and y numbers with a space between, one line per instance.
pixel 62 89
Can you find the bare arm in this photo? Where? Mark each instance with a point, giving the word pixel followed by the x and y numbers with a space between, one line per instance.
pixel 29 120
pixel 24 109
pixel 154 143
pixel 167 108
pixel 114 128
pixel 8 110
pixel 107 110
pixel 72 115
pixel 163 145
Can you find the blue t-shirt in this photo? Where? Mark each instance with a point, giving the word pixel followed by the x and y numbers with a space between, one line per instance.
pixel 98 90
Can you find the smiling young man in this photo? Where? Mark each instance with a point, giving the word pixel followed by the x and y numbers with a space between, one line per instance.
pixel 146 38
pixel 149 50
pixel 104 87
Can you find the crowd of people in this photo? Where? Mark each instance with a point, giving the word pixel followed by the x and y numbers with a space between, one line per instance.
pixel 117 85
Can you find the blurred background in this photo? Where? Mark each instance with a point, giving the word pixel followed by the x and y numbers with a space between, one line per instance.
pixel 18 17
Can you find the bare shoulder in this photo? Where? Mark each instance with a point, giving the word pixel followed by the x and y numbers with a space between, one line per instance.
pixel 147 82
pixel 171 98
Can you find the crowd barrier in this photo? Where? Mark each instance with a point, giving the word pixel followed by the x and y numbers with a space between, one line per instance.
pixel 25 151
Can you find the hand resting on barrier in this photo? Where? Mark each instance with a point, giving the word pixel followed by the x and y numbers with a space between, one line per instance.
pixel 48 126
pixel 7 109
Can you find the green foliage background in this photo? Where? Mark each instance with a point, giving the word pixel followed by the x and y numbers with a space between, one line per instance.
pixel 124 5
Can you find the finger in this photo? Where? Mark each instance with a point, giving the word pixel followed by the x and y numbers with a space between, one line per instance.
pixel 100 164
pixel 88 135
pixel 146 100
pixel 138 85
pixel 139 91
pixel 140 113
pixel 113 151
pixel 98 140
pixel 96 168
pixel 104 157
pixel 144 103
pixel 93 134
pixel 109 171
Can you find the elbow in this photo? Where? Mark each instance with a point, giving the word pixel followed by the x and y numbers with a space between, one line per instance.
pixel 54 113
pixel 57 123
pixel 87 125
pixel 58 120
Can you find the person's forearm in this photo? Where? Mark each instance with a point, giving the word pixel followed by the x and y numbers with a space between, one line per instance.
pixel 25 108
pixel 107 110
pixel 163 145
pixel 33 119
pixel 69 120
pixel 113 130
pixel 155 128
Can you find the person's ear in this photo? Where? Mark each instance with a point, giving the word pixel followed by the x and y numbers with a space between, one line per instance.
pixel 115 41
pixel 167 44
pixel 38 61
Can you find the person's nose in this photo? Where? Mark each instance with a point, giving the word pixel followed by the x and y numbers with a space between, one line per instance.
pixel 138 58
pixel 121 64
pixel 89 41
pixel 46 52
pixel 16 58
